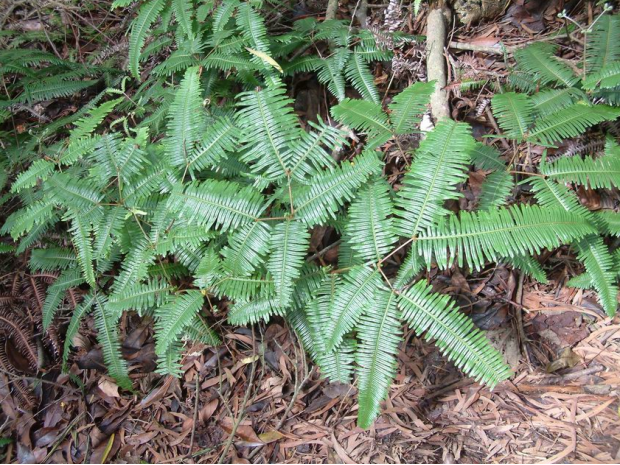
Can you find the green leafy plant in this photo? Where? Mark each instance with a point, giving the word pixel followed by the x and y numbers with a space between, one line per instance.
pixel 565 105
pixel 217 209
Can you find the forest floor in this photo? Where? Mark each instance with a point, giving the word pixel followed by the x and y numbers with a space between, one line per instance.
pixel 258 399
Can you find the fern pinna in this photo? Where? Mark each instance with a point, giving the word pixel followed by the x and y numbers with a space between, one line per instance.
pixel 219 211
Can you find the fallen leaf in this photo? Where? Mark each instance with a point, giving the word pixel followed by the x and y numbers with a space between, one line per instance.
pixel 109 388
pixel 270 436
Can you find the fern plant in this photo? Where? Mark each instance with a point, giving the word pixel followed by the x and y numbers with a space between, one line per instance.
pixel 564 106
pixel 217 212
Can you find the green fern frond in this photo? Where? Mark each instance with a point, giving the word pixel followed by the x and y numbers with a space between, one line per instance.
pixel 222 14
pixel 311 279
pixel 408 105
pixel 600 266
pixel 582 281
pixel 244 288
pixel 219 138
pixel 307 155
pixel 140 297
pixel 247 248
pixel 439 165
pixel 528 266
pixel 337 365
pixel 438 317
pixel 149 12
pixel 107 230
pixel 331 73
pixel 609 221
pixel 185 119
pixel 173 317
pixel 81 237
pixel 225 62
pixel 107 335
pixel 304 64
pixel 55 88
pixel 412 265
pixel 252 26
pixel 319 201
pixel 289 245
pixel 602 172
pixel 75 193
pixel 222 204
pixel 486 157
pixel 183 11
pixel 53 258
pixel 515 113
pixel 550 101
pixel 26 219
pixel 495 190
pixel 372 53
pixel 179 60
pixel 74 325
pixel 169 363
pixel 602 46
pixel 56 292
pixel 539 59
pixel 570 122
pixel 607 78
pixel 270 126
pixel 551 194
pixel 39 170
pixel 249 313
pixel 359 75
pixel 352 298
pixel 365 116
pixel 370 226
pixel 507 232
pixel 379 333
pixel 199 331
pixel 85 126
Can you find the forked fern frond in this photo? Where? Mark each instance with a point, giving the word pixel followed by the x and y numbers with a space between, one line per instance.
pixel 247 248
pixel 185 121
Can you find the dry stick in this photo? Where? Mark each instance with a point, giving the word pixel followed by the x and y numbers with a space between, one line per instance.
pixel 332 7
pixel 196 393
pixel 435 61
pixel 519 313
pixel 491 119
pixel 243 404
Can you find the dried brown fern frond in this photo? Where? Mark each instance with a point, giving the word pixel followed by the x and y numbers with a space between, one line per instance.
pixel 15 327
pixel 17 386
